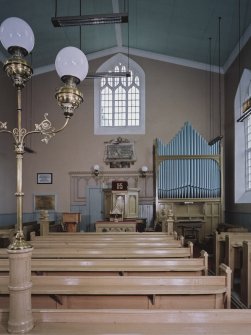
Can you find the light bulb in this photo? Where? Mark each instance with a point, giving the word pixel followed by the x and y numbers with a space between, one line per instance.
pixel 71 61
pixel 15 32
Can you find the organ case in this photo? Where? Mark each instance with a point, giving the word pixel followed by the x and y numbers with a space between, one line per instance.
pixel 189 181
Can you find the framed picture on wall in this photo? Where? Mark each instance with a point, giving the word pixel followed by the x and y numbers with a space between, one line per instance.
pixel 45 201
pixel 44 178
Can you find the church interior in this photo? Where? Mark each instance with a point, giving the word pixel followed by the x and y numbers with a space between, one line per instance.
pixel 125 150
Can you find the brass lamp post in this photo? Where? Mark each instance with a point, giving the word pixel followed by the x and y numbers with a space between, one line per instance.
pixel 17 37
pixel 72 67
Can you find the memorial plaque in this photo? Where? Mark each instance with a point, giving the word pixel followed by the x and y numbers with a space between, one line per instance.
pixel 119 153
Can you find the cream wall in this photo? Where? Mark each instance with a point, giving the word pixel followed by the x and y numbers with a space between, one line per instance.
pixel 174 94
pixel 7 156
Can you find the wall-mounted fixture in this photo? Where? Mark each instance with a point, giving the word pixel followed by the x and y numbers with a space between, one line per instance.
pixel 143 170
pixel 96 170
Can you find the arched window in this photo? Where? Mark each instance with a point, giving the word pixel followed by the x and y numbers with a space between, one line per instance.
pixel 119 102
pixel 242 143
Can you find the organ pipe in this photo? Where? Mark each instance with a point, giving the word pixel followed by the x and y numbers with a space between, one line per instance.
pixel 188 167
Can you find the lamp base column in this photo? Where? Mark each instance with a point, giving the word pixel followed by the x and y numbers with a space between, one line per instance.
pixel 20 310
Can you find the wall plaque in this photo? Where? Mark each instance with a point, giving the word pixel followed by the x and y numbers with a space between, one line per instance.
pixel 119 153
pixel 45 202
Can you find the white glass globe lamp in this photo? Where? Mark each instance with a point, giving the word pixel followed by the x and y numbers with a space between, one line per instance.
pixel 18 39
pixel 143 170
pixel 71 61
pixel 16 33
pixel 72 67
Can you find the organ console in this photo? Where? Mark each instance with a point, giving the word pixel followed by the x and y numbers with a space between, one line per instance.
pixel 188 181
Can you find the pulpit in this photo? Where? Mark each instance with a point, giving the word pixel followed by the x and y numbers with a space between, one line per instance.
pixel 70 221
pixel 129 200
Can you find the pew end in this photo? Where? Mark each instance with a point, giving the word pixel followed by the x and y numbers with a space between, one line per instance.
pixel 204 255
pixel 227 272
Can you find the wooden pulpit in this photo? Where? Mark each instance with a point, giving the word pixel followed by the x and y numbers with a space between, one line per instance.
pixel 70 221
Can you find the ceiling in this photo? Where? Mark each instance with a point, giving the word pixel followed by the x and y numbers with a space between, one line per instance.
pixel 178 31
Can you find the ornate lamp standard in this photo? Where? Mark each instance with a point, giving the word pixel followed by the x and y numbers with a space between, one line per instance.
pixel 72 66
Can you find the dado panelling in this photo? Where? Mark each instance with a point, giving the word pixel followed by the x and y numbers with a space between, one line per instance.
pixel 81 181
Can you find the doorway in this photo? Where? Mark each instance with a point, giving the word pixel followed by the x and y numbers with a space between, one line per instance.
pixel 94 208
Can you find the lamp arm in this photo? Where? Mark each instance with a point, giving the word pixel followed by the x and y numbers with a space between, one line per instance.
pixel 46 129
pixel 63 127
pixel 3 128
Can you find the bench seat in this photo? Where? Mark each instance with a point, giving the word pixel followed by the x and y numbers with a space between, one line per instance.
pixel 128 291
pixel 141 322
pixel 108 252
pixel 117 266
pixel 107 236
pixel 112 285
pixel 109 244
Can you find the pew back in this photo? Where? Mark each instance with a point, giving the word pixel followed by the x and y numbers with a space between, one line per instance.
pixel 128 292
pixel 233 251
pixel 219 245
pixel 233 242
pixel 151 267
pixel 106 244
pixel 144 322
pixel 116 252
pixel 102 237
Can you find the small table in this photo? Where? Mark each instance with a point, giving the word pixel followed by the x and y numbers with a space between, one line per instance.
pixel 117 227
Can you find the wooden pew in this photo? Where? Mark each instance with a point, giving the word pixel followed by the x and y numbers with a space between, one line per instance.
pixel 8 232
pixel 108 244
pixel 142 292
pixel 246 274
pixel 118 267
pixel 85 240
pixel 143 322
pixel 219 248
pixel 106 252
pixel 219 245
pixel 233 251
pixel 110 233
pixel 6 236
pixel 137 237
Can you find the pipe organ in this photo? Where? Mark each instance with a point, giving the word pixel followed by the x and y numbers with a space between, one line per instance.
pixel 188 177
